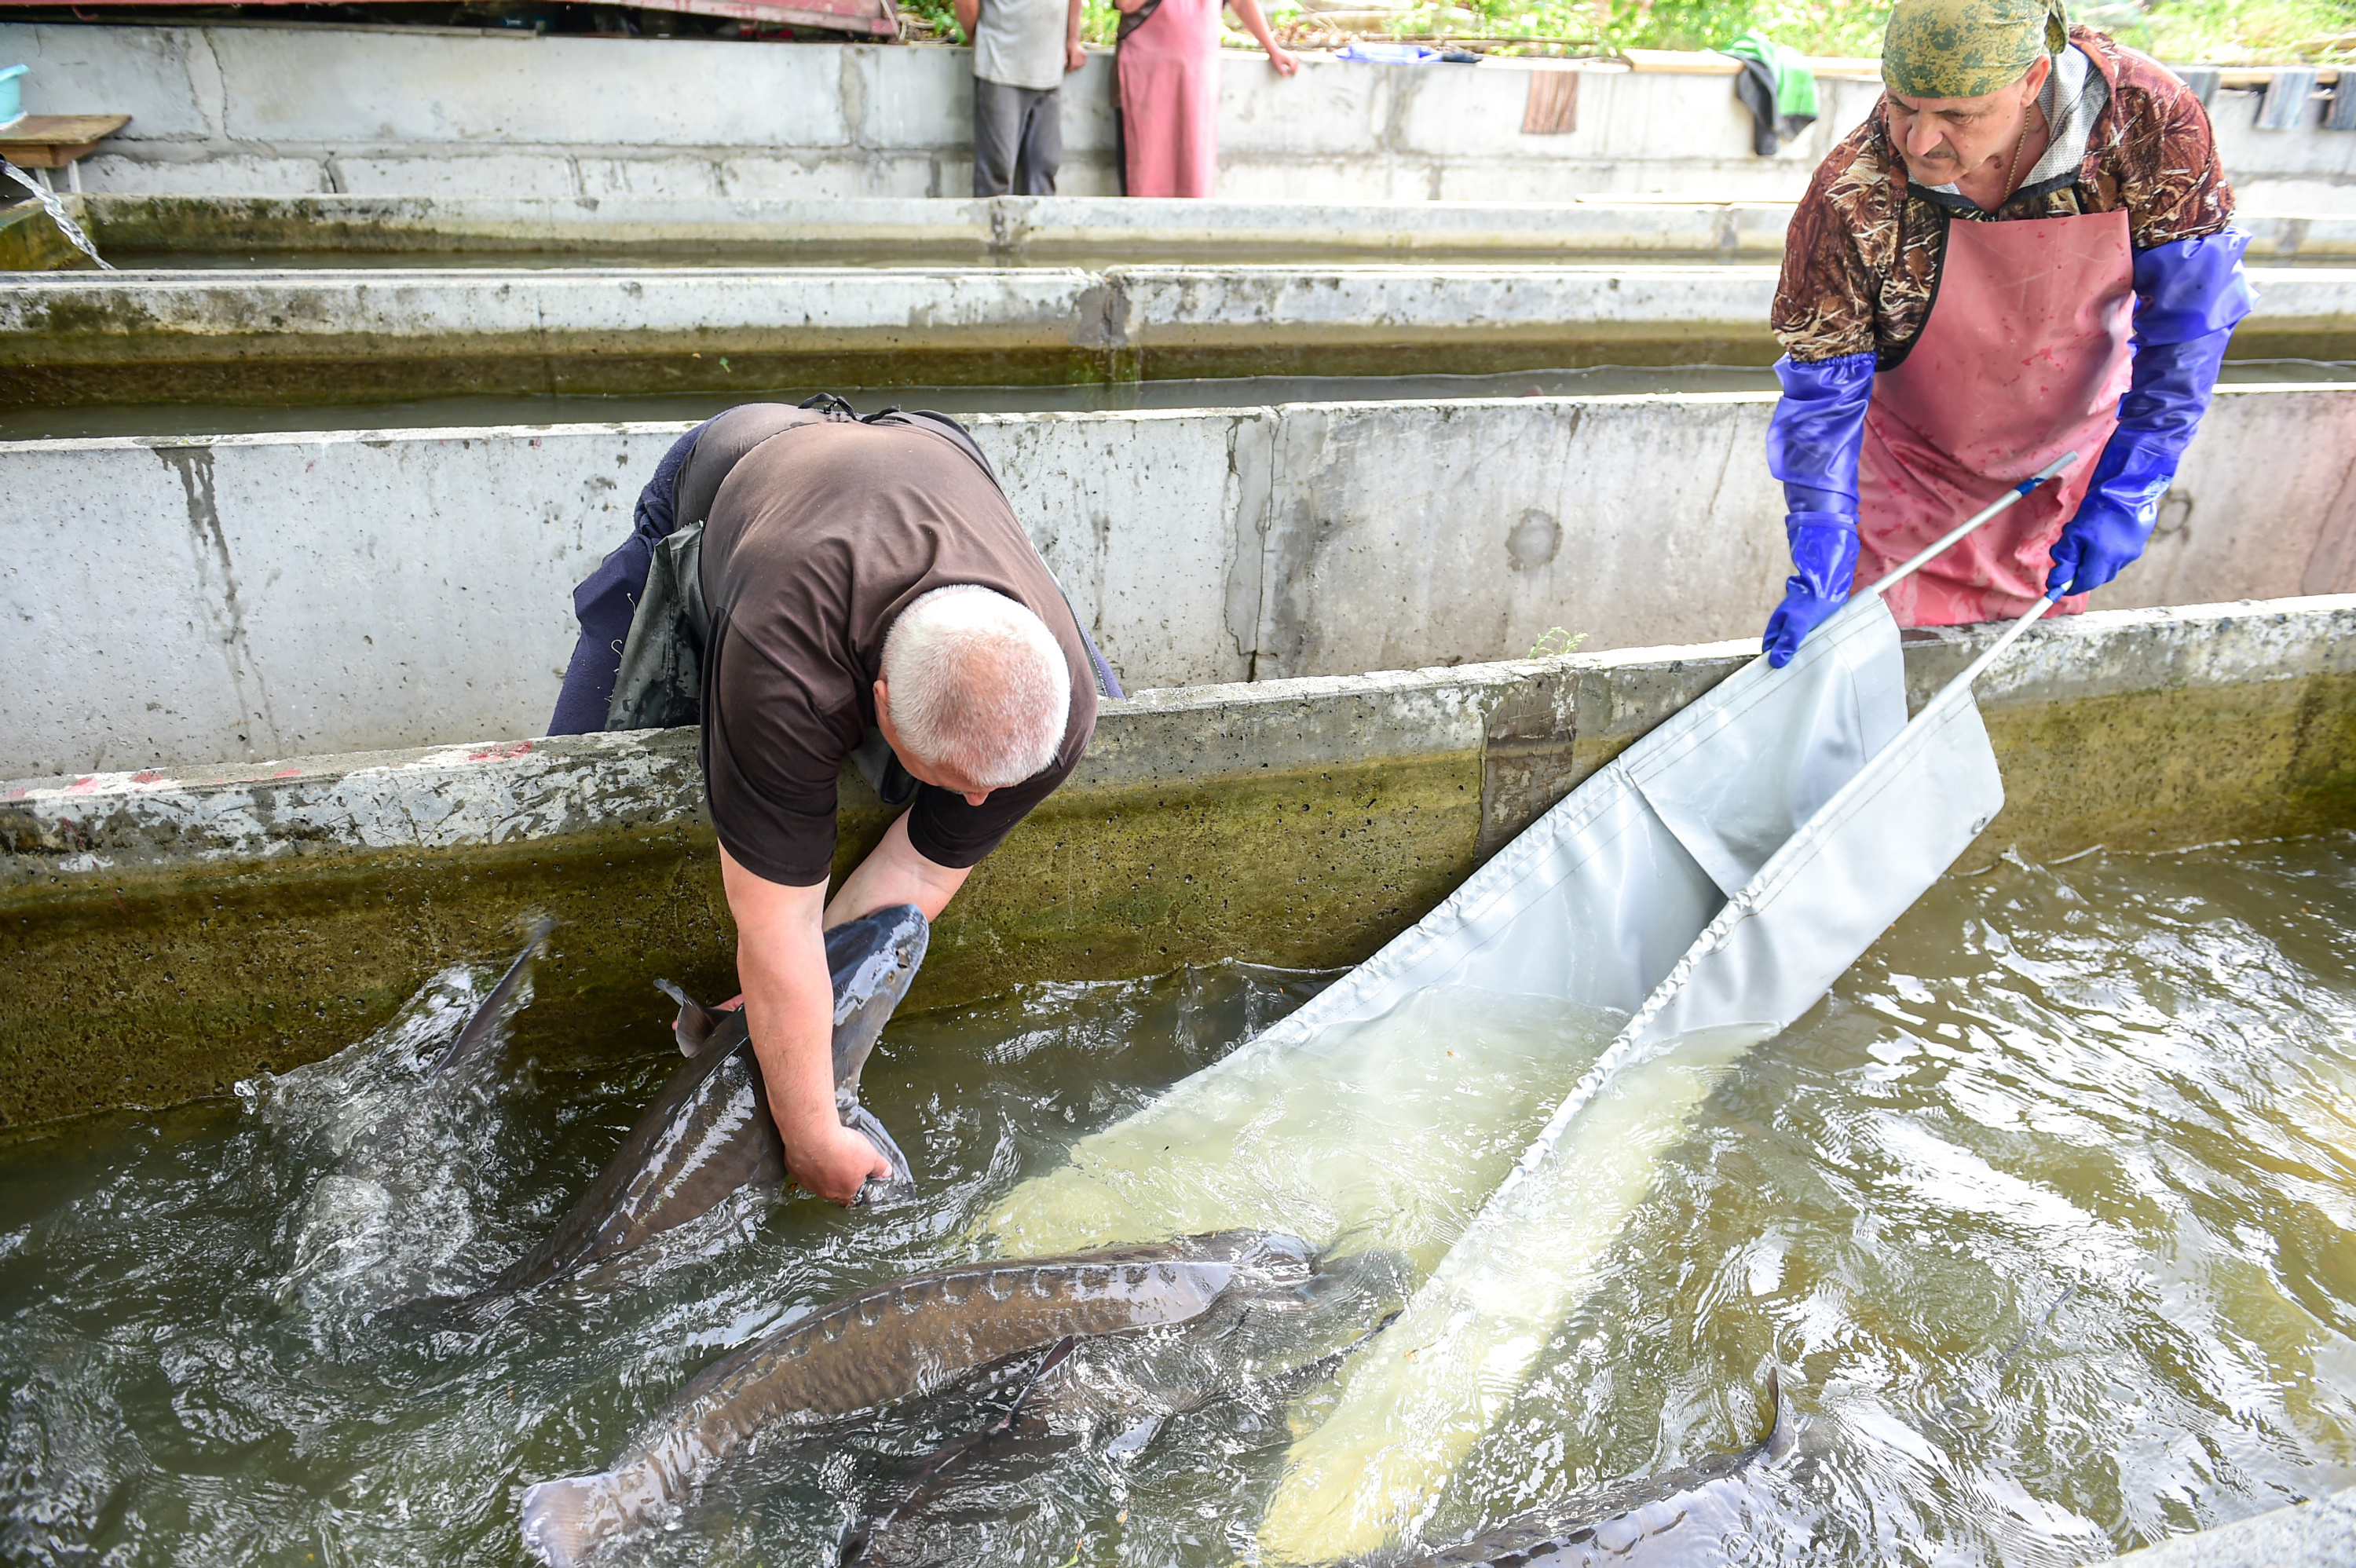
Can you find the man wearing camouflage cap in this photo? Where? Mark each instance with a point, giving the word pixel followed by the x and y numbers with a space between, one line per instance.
pixel 2024 251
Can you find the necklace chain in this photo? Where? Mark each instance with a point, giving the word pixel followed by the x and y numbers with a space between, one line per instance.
pixel 2012 167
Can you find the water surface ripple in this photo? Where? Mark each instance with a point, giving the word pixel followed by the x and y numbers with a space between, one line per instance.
pixel 2132 1075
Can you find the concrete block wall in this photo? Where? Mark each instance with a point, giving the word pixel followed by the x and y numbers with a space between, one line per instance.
pixel 179 602
pixel 271 111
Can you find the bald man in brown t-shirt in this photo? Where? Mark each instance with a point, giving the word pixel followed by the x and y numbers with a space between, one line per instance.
pixel 842 558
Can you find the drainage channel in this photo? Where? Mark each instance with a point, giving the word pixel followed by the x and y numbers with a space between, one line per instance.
pixel 178 420
pixel 200 418
pixel 396 334
pixel 785 258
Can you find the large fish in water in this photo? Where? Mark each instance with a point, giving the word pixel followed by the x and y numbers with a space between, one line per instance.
pixel 390 1218
pixel 909 1336
pixel 1683 1515
pixel 708 1131
pixel 1255 1349
pixel 1696 1514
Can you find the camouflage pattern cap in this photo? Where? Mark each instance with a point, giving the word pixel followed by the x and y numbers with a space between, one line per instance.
pixel 1962 49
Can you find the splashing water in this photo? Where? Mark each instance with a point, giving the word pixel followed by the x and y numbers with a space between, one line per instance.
pixel 2130 1074
pixel 392 1216
pixel 57 212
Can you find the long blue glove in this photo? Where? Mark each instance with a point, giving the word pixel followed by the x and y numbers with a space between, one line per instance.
pixel 2189 295
pixel 1812 446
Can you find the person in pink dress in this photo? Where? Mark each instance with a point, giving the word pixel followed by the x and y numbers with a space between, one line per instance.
pixel 1168 61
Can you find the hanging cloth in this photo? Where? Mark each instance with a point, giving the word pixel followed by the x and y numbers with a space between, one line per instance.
pixel 1776 85
pixel 2025 356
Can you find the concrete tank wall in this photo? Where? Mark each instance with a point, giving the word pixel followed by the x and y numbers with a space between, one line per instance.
pixel 176 602
pixel 166 933
pixel 1098 230
pixel 340 335
pixel 273 111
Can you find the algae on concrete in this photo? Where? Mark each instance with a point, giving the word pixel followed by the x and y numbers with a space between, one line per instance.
pixel 30 241
pixel 165 936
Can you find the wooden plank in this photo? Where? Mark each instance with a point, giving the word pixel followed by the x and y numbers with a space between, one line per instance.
pixel 1552 106
pixel 879 18
pixel 53 141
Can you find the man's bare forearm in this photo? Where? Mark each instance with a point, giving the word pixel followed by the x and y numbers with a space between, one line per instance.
pixel 789 1009
pixel 897 874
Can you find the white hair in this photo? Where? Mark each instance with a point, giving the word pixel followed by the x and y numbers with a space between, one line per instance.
pixel 978 684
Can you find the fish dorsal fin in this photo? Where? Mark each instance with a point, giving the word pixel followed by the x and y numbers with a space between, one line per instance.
pixel 476 1038
pixel 1782 1430
pixel 695 1023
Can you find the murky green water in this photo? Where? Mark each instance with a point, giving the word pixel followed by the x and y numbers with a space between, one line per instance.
pixel 2134 1076
pixel 1091 397
pixel 1241 392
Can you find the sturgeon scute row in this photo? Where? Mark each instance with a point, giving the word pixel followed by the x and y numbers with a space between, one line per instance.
pixel 904 1337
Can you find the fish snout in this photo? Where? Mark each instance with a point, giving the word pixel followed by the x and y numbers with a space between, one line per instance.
pixel 1280 1254
pixel 872 961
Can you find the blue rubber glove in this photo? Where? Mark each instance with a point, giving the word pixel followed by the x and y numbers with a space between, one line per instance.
pixel 2188 294
pixel 1823 549
pixel 1812 446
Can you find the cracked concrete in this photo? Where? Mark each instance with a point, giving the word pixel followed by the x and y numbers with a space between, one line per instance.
pixel 1199 546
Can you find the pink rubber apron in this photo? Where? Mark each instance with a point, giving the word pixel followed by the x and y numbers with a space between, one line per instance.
pixel 2024 357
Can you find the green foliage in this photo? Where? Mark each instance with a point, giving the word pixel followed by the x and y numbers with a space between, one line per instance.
pixel 2238 32
pixel 1556 642
pixel 1812 30
pixel 2223 32
pixel 935 14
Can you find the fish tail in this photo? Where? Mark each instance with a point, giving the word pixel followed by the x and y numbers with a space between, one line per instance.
pixel 563 1519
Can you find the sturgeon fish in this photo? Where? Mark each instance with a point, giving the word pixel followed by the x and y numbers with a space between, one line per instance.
pixel 1258 1346
pixel 709 1132
pixel 393 1210
pixel 909 1336
pixel 1688 1511
pixel 1702 1502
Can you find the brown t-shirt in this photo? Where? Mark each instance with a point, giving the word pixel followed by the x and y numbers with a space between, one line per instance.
pixel 817 540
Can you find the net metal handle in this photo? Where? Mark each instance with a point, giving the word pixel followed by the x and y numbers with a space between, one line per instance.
pixel 2052 470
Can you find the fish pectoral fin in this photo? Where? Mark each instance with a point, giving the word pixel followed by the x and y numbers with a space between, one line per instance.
pixel 903 1181
pixel 695 1023
pixel 1055 1357
pixel 951 1457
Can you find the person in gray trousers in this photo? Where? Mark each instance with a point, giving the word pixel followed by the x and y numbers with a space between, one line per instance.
pixel 1021 50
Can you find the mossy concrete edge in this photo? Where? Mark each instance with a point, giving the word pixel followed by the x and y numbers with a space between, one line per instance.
pixel 169 934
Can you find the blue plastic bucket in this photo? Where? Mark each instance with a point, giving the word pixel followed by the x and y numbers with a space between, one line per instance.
pixel 12 93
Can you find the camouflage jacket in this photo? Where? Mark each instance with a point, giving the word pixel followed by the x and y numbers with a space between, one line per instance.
pixel 1861 258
